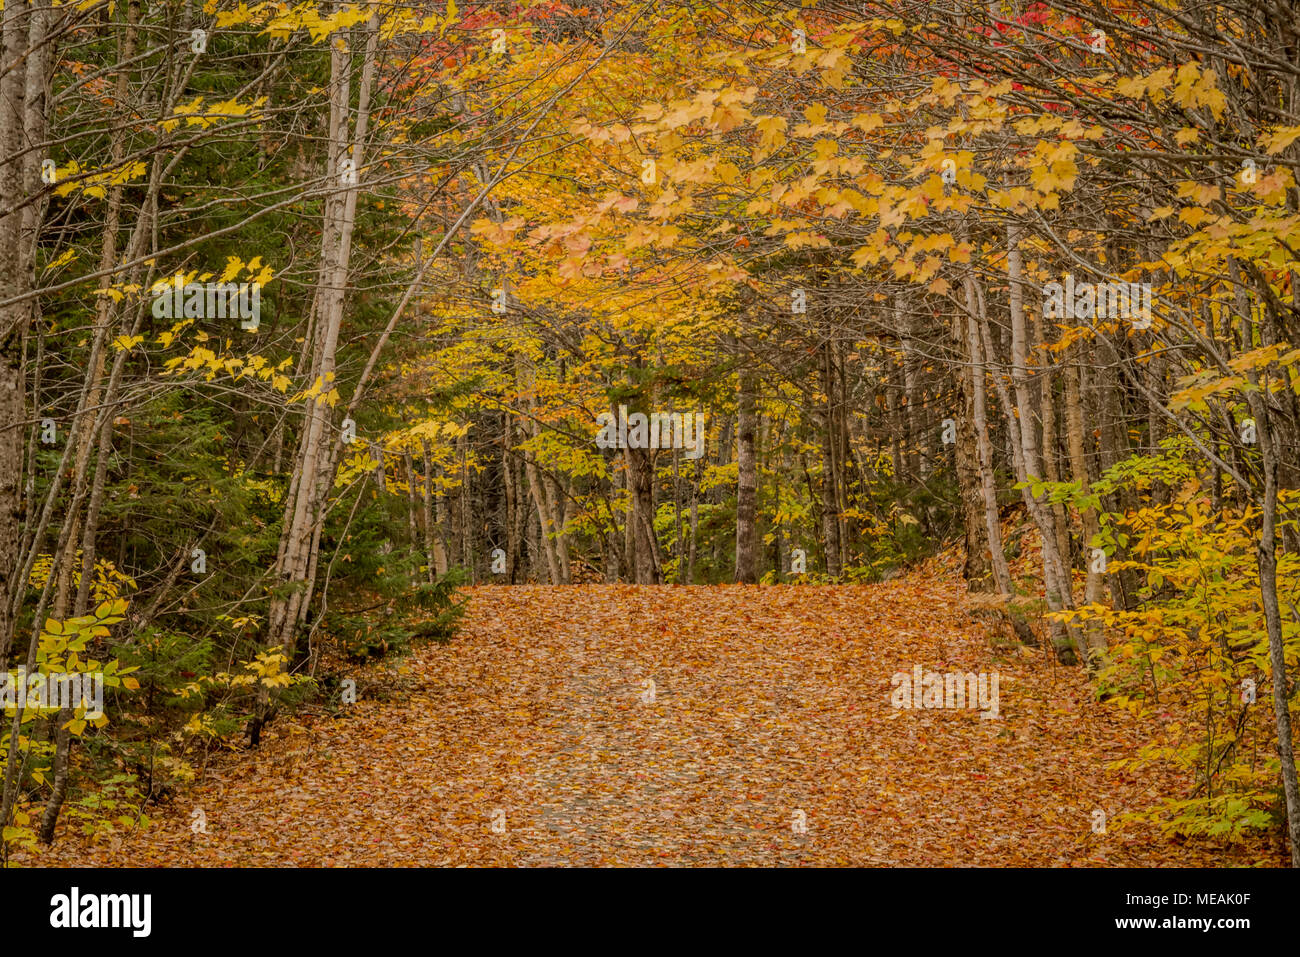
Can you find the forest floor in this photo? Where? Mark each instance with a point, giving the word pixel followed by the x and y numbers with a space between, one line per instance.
pixel 531 739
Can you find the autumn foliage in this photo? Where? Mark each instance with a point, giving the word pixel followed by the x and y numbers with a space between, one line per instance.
pixel 997 300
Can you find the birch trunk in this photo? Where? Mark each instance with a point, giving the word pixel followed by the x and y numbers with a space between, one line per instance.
pixel 316 458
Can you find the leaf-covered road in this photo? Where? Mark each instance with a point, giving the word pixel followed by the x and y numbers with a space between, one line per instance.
pixel 767 702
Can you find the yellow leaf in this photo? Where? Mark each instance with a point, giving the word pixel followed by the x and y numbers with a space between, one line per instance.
pixel 1279 139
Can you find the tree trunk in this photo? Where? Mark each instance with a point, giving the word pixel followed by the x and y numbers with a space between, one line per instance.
pixel 1267 560
pixel 1051 468
pixel 316 459
pixel 977 570
pixel 984 449
pixel 435 555
pixel 1023 437
pixel 546 518
pixel 830 471
pixel 21 25
pixel 640 475
pixel 747 483
pixel 1094 587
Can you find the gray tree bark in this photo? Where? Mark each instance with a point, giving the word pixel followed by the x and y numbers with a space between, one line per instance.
pixel 747 482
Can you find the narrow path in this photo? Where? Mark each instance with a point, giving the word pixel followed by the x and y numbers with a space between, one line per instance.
pixel 771 707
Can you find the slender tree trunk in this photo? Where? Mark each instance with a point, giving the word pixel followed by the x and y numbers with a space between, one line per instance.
pixel 918 465
pixel 984 449
pixel 19 25
pixel 695 521
pixel 1023 438
pixel 830 471
pixel 512 503
pixel 1094 587
pixel 977 570
pixel 1266 434
pixel 547 520
pixel 558 505
pixel 1051 468
pixel 747 483
pixel 316 459
pixel 1267 560
pixel 434 515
